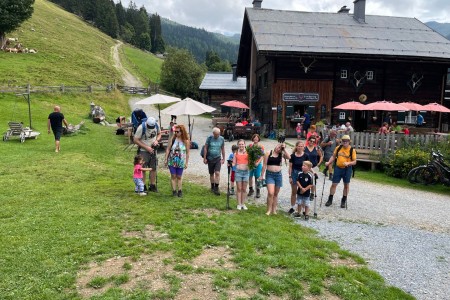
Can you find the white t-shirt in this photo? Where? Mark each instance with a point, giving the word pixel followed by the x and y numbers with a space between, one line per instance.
pixel 150 135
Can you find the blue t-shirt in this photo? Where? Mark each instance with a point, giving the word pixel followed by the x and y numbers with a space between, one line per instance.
pixel 307 119
pixel 313 156
pixel 297 161
pixel 214 147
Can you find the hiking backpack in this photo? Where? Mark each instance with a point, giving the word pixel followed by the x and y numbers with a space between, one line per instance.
pixel 138 117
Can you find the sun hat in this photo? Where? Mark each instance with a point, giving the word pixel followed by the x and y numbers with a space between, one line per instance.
pixel 151 122
pixel 345 137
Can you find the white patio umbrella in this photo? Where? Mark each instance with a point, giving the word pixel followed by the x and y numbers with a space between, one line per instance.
pixel 188 107
pixel 158 99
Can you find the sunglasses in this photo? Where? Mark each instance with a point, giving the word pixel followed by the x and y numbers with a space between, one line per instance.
pixel 346 141
pixel 177 131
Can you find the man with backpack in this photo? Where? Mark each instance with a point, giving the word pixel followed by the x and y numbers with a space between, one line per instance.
pixel 214 156
pixel 345 157
pixel 147 137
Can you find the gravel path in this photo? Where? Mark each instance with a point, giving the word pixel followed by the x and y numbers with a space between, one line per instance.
pixel 403 234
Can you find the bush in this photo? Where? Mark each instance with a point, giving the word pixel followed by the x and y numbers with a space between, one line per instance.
pixel 403 160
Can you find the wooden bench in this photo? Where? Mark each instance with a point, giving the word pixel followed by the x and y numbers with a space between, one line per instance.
pixel 369 156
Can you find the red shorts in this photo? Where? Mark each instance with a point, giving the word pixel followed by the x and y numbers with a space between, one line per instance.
pixel 232 176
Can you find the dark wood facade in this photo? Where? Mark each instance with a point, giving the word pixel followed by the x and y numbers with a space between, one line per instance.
pixel 390 79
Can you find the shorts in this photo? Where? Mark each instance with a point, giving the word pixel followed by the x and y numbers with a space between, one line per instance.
pixel 176 171
pixel 150 160
pixel 57 133
pixel 342 173
pixel 214 165
pixel 241 175
pixel 306 127
pixel 232 175
pixel 274 178
pixel 303 200
pixel 256 171
pixel 294 176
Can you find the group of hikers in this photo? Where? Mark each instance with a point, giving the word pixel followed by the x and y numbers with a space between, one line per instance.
pixel 251 166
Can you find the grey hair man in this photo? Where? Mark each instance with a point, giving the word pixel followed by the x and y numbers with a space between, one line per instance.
pixel 55 121
pixel 214 156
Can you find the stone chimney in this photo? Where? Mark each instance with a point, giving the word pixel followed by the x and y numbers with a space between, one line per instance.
pixel 359 11
pixel 257 3
pixel 344 10
pixel 234 67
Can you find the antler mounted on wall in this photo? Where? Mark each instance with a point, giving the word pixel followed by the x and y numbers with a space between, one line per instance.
pixel 358 79
pixel 415 82
pixel 305 67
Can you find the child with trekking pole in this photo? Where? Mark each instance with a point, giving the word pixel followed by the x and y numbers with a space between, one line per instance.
pixel 138 175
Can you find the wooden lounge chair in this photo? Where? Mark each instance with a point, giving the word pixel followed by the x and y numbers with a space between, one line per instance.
pixel 17 129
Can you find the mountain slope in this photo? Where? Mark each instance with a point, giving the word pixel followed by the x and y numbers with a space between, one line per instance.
pixel 70 51
pixel 198 41
pixel 442 28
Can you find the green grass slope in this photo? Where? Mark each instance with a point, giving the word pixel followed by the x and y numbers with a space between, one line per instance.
pixel 144 65
pixel 70 51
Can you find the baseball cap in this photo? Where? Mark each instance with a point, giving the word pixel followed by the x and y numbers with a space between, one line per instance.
pixel 345 137
pixel 151 122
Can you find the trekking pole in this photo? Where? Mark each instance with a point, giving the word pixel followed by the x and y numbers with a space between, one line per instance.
pixel 323 187
pixel 315 195
pixel 156 167
pixel 228 189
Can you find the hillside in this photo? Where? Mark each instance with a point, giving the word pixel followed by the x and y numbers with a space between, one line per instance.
pixel 442 28
pixel 198 41
pixel 70 51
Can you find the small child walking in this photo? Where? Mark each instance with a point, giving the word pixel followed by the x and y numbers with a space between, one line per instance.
pixel 138 176
pixel 234 149
pixel 304 186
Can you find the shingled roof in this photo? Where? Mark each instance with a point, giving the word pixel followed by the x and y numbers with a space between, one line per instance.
pixel 339 33
pixel 222 81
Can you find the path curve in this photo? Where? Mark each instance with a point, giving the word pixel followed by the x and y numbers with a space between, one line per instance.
pixel 127 77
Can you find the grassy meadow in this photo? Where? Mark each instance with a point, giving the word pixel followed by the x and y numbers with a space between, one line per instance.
pixel 143 65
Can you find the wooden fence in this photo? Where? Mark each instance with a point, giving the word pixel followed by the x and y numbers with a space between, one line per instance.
pixel 26 89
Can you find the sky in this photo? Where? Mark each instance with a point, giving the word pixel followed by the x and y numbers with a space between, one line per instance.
pixel 226 16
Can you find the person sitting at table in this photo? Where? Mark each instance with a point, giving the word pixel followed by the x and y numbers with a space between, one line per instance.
pixel 384 128
pixel 256 122
pixel 405 130
pixel 244 122
pixel 348 128
pixel 336 126
pixel 395 127
pixel 121 121
pixel 239 123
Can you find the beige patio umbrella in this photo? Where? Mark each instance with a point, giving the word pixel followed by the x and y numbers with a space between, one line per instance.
pixel 188 107
pixel 158 99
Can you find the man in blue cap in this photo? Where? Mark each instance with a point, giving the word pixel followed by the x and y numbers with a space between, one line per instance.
pixel 147 140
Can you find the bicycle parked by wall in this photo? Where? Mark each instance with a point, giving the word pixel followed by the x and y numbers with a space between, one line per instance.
pixel 436 171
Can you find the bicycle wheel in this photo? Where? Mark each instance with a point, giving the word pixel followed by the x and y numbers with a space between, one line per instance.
pixel 426 175
pixel 412 175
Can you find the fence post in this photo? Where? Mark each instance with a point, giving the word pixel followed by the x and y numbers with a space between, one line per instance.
pixel 28 88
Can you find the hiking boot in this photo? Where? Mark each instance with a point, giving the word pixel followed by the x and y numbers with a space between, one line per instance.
pixel 180 193
pixel 291 211
pixel 343 202
pixel 297 215
pixel 174 193
pixel 232 191
pixel 145 188
pixel 330 201
pixel 152 188
pixel 258 193
pixel 250 191
pixel 306 217
pixel 216 191
pixel 244 207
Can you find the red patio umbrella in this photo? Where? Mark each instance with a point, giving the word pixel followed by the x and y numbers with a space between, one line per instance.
pixel 386 106
pixel 412 106
pixel 235 104
pixel 352 105
pixel 436 107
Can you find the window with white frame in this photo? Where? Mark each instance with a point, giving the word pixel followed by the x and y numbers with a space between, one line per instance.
pixel 344 74
pixel 342 115
pixel 369 75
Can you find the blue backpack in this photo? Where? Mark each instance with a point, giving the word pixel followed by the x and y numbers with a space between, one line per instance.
pixel 138 117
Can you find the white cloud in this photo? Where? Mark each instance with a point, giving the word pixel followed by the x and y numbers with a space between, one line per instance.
pixel 227 15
